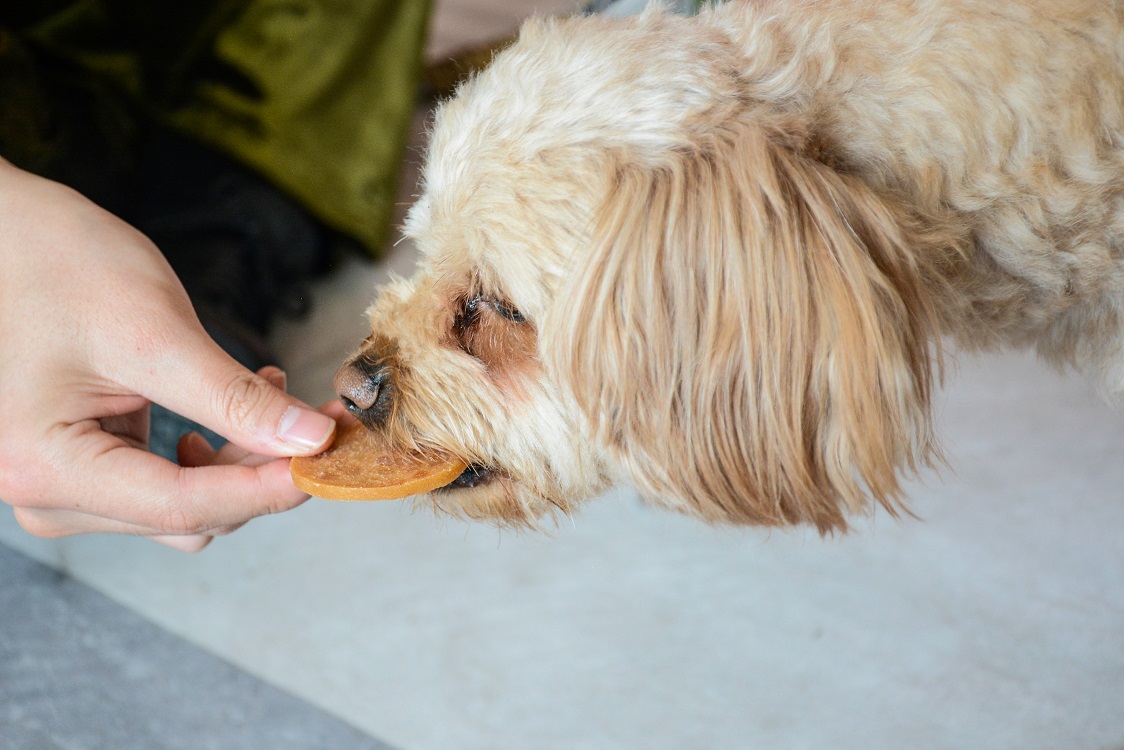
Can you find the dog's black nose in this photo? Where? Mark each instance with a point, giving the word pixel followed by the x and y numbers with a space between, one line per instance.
pixel 366 388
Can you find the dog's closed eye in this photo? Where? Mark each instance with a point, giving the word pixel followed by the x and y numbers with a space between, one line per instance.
pixel 506 310
pixel 473 308
pixel 494 331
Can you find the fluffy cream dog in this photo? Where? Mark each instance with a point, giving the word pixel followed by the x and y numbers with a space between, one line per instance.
pixel 715 257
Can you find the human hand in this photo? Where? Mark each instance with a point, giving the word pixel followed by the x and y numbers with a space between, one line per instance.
pixel 94 327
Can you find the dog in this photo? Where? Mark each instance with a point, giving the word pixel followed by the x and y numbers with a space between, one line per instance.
pixel 718 257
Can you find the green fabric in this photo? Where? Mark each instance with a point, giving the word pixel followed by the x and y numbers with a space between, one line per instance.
pixel 317 95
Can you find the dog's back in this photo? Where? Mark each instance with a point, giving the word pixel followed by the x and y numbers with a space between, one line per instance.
pixel 1008 116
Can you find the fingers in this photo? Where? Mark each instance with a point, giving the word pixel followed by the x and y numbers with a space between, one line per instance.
pixel 190 500
pixel 132 427
pixel 210 493
pixel 204 384
pixel 52 524
pixel 156 497
pixel 193 450
pixel 191 544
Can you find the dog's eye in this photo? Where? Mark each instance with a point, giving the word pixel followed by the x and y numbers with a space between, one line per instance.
pixel 496 333
pixel 507 311
pixel 472 306
pixel 472 326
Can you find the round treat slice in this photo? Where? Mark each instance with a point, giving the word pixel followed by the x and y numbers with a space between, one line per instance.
pixel 360 466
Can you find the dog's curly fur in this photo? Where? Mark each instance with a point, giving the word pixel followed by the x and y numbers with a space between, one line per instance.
pixel 715 256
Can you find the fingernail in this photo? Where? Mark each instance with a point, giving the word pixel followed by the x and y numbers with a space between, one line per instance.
pixel 200 441
pixel 304 428
pixel 278 379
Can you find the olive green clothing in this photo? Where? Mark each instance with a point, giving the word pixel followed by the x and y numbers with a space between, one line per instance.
pixel 316 95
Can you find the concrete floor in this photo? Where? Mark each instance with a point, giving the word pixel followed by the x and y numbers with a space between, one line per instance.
pixel 995 620
pixel 80 672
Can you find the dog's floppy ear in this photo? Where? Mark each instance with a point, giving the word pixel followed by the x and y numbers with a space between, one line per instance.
pixel 753 334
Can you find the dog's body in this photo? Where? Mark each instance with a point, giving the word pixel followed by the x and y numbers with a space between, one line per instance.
pixel 716 256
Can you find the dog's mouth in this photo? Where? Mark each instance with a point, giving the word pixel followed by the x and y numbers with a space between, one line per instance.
pixel 475 475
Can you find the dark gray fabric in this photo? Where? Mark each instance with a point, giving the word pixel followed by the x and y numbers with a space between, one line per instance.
pixel 80 672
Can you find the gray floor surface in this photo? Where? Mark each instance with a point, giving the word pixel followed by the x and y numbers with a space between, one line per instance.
pixel 80 672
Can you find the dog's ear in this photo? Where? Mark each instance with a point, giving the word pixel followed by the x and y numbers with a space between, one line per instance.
pixel 754 334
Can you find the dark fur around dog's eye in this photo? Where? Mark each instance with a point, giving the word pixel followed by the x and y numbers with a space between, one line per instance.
pixel 467 315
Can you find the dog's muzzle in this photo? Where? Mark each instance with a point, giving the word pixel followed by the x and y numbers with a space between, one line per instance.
pixel 365 386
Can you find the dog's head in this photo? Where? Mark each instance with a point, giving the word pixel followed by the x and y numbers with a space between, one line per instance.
pixel 633 271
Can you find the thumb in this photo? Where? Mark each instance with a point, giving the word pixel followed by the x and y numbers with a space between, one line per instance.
pixel 210 387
